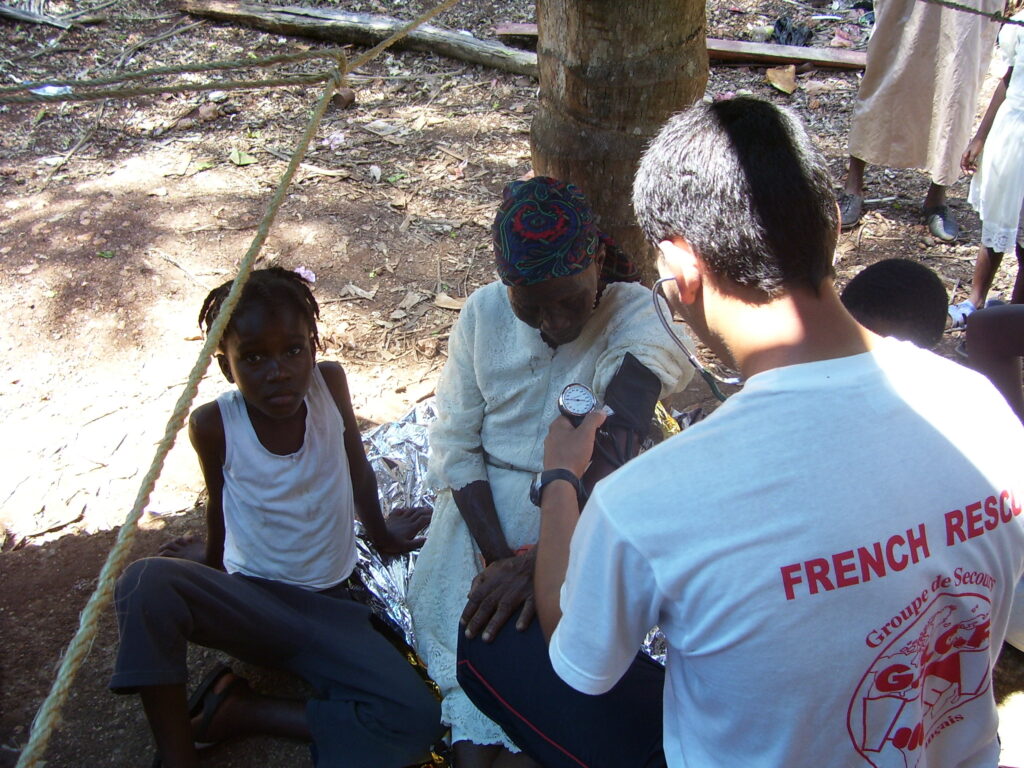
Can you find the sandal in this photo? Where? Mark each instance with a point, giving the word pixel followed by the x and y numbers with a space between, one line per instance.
pixel 959 313
pixel 204 701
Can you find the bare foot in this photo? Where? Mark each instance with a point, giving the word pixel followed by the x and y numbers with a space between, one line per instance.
pixel 186 547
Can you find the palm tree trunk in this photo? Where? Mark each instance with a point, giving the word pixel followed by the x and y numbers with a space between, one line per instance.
pixel 611 73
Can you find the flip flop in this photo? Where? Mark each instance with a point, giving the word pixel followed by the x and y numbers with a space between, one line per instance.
pixel 196 700
pixel 207 708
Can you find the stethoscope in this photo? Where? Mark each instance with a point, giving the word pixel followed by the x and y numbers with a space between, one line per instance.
pixel 712 379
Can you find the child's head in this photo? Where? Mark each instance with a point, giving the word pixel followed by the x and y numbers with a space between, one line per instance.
pixel 268 349
pixel 270 288
pixel 901 298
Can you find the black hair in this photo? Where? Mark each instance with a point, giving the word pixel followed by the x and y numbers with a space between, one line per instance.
pixel 742 182
pixel 273 287
pixel 901 298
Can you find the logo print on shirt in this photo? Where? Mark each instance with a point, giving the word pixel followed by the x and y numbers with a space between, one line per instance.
pixel 914 687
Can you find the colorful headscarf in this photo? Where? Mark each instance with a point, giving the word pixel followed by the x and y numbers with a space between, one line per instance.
pixel 545 229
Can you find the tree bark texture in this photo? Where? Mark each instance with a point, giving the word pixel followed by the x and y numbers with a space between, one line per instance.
pixel 611 73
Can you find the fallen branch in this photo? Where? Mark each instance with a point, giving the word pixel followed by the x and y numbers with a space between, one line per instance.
pixel 736 50
pixel 365 29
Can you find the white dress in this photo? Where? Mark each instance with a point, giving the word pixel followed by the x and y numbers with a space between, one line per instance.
pixel 997 189
pixel 496 398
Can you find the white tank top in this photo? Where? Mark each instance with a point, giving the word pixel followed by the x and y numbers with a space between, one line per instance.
pixel 289 518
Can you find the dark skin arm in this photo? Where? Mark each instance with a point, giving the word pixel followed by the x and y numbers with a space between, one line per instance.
pixel 507 581
pixel 969 160
pixel 206 433
pixel 398 533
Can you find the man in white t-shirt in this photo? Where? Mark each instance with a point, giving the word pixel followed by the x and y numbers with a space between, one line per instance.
pixel 832 555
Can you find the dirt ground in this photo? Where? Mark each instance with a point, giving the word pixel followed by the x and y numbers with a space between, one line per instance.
pixel 117 219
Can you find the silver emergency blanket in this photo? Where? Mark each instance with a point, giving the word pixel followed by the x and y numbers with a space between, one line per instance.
pixel 398 454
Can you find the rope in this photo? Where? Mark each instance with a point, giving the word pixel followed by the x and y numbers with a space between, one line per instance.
pixel 996 16
pixel 385 44
pixel 48 716
pixel 333 54
pixel 227 85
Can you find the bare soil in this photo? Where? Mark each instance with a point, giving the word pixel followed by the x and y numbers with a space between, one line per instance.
pixel 118 218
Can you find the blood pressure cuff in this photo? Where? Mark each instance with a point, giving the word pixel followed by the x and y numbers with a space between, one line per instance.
pixel 632 394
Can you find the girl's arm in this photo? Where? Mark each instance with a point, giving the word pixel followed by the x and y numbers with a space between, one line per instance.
pixel 398 533
pixel 206 432
pixel 969 161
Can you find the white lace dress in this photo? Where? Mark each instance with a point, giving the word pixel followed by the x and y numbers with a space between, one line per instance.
pixel 997 189
pixel 496 397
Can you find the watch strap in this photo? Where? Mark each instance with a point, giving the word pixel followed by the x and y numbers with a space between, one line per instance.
pixel 550 475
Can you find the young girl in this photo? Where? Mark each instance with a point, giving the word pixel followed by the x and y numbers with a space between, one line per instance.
pixel 997 189
pixel 286 473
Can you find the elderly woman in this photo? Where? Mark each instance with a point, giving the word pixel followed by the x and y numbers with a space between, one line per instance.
pixel 568 309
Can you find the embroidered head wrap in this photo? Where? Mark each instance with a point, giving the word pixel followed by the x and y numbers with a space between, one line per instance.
pixel 545 229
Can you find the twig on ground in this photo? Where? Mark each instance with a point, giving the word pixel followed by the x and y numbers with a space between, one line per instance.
pixel 120 63
pixel 87 11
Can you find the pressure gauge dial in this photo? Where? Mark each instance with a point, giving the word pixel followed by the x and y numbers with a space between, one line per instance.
pixel 575 402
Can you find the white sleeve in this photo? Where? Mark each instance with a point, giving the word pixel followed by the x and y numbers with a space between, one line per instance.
pixel 609 602
pixel 634 327
pixel 1015 630
pixel 456 456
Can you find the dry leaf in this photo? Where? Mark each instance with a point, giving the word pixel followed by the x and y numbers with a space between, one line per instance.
pixel 354 290
pixel 783 78
pixel 816 87
pixel 411 300
pixel 444 301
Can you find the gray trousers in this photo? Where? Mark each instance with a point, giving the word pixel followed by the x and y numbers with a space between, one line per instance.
pixel 370 709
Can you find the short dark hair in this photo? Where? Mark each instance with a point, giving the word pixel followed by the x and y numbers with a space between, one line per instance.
pixel 901 298
pixel 742 182
pixel 274 287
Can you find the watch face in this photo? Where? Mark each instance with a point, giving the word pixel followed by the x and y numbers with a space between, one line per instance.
pixel 577 400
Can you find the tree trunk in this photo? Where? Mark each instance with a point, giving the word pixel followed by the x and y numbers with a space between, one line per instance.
pixel 611 73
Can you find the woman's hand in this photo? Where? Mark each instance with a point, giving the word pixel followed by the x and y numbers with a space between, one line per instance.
pixel 497 591
pixel 969 160
pixel 403 525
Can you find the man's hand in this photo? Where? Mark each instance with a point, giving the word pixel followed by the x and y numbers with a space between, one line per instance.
pixel 568 447
pixel 403 525
pixel 186 547
pixel 497 591
pixel 969 160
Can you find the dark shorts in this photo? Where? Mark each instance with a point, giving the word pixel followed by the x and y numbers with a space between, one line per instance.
pixel 370 707
pixel 511 680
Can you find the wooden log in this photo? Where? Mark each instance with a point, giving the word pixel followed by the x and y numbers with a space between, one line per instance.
pixel 365 29
pixel 770 53
pixel 737 50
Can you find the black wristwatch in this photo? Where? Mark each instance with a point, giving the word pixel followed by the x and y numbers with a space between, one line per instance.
pixel 543 478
